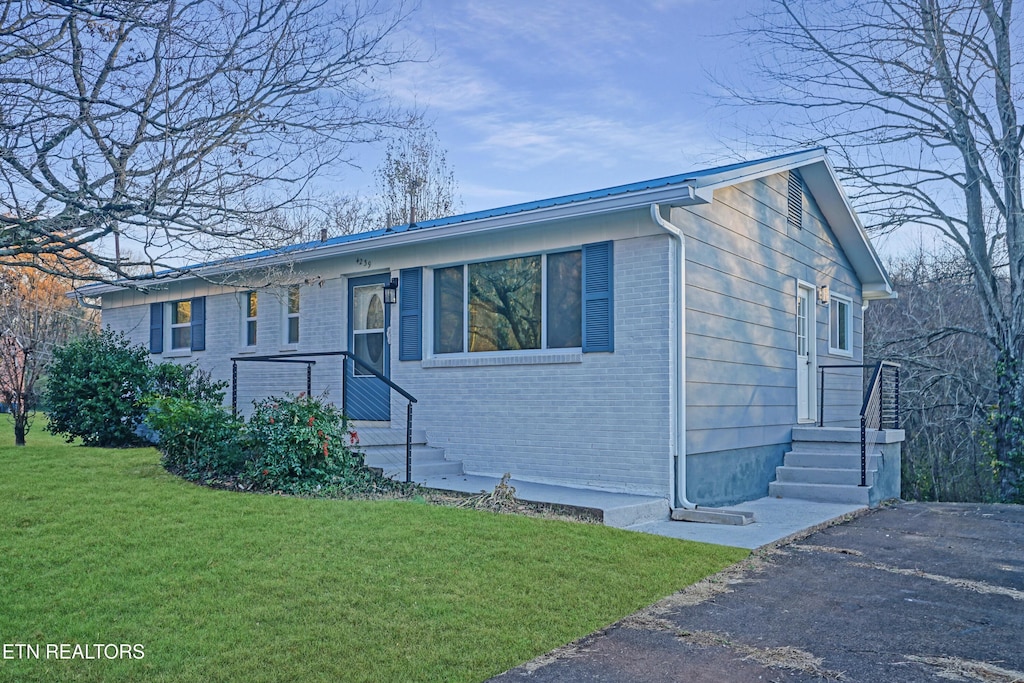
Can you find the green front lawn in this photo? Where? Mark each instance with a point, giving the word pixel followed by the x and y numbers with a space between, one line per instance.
pixel 104 547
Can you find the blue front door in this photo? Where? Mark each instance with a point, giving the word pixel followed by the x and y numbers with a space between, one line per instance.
pixel 366 396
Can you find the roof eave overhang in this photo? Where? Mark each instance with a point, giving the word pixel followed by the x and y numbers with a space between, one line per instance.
pixel 814 166
pixel 822 181
pixel 684 193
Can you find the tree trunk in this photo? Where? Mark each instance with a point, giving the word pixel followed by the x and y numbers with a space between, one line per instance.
pixel 20 426
pixel 1008 430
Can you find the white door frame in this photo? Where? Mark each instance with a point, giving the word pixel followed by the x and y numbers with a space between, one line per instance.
pixel 806 352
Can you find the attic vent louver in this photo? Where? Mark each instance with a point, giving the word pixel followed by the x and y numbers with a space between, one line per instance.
pixel 796 200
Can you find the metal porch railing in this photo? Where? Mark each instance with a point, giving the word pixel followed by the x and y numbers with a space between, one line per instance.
pixel 371 382
pixel 880 408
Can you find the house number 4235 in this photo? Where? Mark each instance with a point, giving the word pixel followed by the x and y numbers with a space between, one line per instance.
pixel 364 262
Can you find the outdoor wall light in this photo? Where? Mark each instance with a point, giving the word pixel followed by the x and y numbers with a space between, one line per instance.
pixel 391 291
pixel 823 295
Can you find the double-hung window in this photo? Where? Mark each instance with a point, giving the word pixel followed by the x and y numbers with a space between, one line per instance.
pixel 514 304
pixel 292 316
pixel 177 326
pixel 840 322
pixel 249 331
pixel 181 325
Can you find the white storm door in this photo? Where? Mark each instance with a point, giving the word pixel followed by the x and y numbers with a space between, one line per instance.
pixel 805 351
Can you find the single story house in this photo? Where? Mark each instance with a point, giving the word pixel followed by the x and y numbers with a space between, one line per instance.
pixel 660 338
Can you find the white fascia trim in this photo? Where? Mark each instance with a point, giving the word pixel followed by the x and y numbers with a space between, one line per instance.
pixel 835 204
pixel 709 183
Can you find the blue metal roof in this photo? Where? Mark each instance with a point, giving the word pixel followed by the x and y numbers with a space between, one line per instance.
pixel 490 213
pixel 527 206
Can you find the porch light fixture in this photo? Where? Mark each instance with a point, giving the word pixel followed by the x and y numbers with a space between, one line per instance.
pixel 823 295
pixel 391 291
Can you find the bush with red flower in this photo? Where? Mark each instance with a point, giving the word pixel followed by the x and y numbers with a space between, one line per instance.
pixel 300 445
pixel 292 444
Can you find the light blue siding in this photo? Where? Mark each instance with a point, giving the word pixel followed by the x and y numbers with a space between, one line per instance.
pixel 743 263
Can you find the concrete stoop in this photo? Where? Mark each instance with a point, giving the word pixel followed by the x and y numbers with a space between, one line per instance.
pixel 385 448
pixel 824 465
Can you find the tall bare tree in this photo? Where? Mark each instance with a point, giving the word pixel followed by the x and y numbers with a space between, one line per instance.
pixel 135 134
pixel 414 182
pixel 920 97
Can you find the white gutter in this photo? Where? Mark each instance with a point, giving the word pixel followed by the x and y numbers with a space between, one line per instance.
pixel 677 360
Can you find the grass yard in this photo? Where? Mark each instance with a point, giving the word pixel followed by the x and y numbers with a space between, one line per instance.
pixel 104 547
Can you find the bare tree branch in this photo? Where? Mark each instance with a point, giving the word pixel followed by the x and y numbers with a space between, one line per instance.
pixel 918 98
pixel 136 135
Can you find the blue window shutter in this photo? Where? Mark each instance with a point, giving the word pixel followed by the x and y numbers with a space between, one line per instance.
pixel 410 314
pixel 199 323
pixel 156 328
pixel 598 304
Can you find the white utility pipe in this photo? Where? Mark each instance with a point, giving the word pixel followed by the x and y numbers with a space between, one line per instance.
pixel 677 355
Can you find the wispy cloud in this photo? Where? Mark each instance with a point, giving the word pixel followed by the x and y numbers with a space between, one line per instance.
pixel 584 139
pixel 535 98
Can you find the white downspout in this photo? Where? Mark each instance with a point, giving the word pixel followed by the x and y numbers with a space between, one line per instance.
pixel 677 356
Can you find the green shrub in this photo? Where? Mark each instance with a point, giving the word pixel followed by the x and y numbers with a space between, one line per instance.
pixel 299 446
pixel 199 439
pixel 95 390
pixel 187 382
pixel 101 388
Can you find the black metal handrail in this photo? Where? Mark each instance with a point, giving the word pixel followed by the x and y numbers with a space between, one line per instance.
pixel 379 376
pixel 875 409
pixel 348 355
pixel 410 399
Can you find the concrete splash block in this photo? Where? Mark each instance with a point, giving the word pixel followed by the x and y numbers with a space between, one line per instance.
pixel 714 516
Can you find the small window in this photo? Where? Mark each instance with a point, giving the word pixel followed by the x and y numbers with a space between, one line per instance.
pixel 250 318
pixel 840 325
pixel 292 317
pixel 181 325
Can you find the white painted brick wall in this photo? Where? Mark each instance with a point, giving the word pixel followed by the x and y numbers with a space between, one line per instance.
pixel 602 422
pixel 321 329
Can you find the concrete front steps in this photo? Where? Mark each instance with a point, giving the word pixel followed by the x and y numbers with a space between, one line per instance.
pixel 824 465
pixel 384 447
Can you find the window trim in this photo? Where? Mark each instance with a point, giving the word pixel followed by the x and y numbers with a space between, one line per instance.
pixel 544 350
pixel 835 302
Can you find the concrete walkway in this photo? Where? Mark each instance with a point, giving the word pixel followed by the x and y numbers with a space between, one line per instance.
pixel 774 518
pixel 617 509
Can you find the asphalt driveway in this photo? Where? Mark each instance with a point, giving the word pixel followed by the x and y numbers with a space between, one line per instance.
pixel 914 592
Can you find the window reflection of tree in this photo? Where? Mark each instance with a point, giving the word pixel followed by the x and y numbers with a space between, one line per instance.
pixel 565 294
pixel 449 305
pixel 505 304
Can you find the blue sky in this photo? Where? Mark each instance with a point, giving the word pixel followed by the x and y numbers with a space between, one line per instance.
pixel 534 99
pixel 540 98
